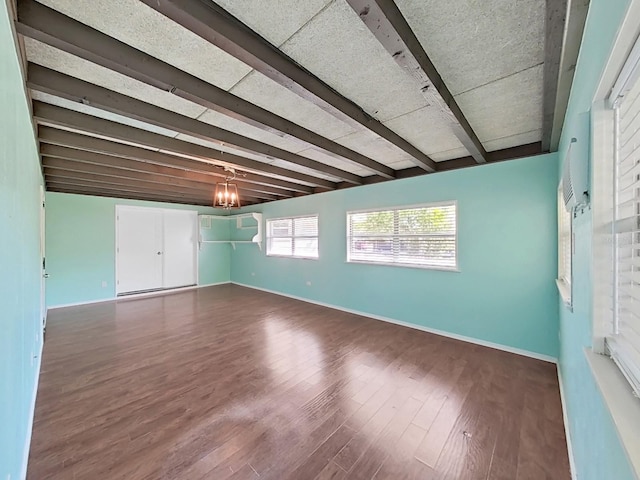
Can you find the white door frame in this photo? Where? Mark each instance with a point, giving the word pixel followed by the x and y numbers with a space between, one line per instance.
pixel 118 207
pixel 43 271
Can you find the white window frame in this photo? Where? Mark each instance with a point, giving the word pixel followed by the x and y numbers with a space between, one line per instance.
pixel 453 203
pixel 617 392
pixel 293 236
pixel 565 241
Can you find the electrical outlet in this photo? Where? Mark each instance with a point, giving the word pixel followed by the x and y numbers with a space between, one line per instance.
pixel 308 283
pixel 104 284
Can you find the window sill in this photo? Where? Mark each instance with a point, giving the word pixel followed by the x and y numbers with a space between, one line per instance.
pixel 405 265
pixel 565 293
pixel 292 256
pixel 623 405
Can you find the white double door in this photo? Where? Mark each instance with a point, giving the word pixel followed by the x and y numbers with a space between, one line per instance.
pixel 155 248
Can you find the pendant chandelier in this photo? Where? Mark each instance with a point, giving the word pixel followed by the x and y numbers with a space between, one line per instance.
pixel 226 195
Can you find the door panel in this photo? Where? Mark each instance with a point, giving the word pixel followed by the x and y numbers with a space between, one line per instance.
pixel 43 283
pixel 180 248
pixel 139 249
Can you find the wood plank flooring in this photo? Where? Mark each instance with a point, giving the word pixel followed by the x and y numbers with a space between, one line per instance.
pixel 230 383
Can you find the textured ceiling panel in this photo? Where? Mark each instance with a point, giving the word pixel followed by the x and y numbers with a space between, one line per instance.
pixel 474 42
pixel 338 48
pixel 76 67
pixel 211 162
pixel 96 112
pixel 264 92
pixel 374 147
pixel 449 154
pixel 429 129
pixel 514 140
pixel 274 21
pixel 142 27
pixel 214 118
pixel 334 162
pixel 224 148
pixel 82 132
pixel 506 107
pixel 402 164
pixel 298 168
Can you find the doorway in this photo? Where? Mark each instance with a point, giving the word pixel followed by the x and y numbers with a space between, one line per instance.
pixel 155 249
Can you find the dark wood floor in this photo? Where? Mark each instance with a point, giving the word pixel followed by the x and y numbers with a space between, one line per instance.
pixel 227 382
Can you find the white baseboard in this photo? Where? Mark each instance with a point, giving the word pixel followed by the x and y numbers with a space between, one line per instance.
pixel 497 346
pixel 32 412
pixel 567 431
pixel 136 295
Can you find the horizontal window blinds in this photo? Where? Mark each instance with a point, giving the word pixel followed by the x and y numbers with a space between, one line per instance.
pixel 293 237
pixel 419 236
pixel 564 254
pixel 624 342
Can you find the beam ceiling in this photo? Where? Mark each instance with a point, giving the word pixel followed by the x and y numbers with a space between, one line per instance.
pixel 122 109
pixel 135 165
pixel 52 136
pixel 218 27
pixel 386 23
pixel 58 84
pixel 114 193
pixel 45 24
pixel 554 33
pixel 85 163
pixel 62 117
pixel 63 178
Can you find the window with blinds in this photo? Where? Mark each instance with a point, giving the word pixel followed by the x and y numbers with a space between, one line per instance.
pixel 564 249
pixel 293 237
pixel 422 236
pixel 623 343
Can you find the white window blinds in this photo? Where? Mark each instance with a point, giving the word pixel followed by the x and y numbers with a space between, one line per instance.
pixel 564 248
pixel 422 236
pixel 624 341
pixel 293 237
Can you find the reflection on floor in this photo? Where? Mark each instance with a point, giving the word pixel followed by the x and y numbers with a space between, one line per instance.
pixel 228 382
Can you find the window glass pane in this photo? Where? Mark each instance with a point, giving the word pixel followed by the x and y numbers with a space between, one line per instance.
pixel 305 226
pixel 279 246
pixel 371 223
pixel 280 228
pixel 370 248
pixel 306 247
pixel 436 251
pixel 427 220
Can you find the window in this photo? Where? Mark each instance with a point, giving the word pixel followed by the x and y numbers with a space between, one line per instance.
pixel 565 242
pixel 624 342
pixel 615 195
pixel 422 236
pixel 616 213
pixel 293 237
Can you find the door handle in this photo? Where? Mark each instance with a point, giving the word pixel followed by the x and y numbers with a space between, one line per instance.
pixel 159 253
pixel 45 275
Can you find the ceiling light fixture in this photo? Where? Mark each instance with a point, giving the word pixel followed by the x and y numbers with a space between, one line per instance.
pixel 226 195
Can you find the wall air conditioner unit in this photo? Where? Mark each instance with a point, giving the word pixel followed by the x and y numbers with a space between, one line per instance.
pixel 575 178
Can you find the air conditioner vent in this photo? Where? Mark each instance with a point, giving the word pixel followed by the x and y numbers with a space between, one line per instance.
pixel 575 177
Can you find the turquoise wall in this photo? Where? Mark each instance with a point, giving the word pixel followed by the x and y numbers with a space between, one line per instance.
pixel 80 247
pixel 505 291
pixel 20 323
pixel 598 453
